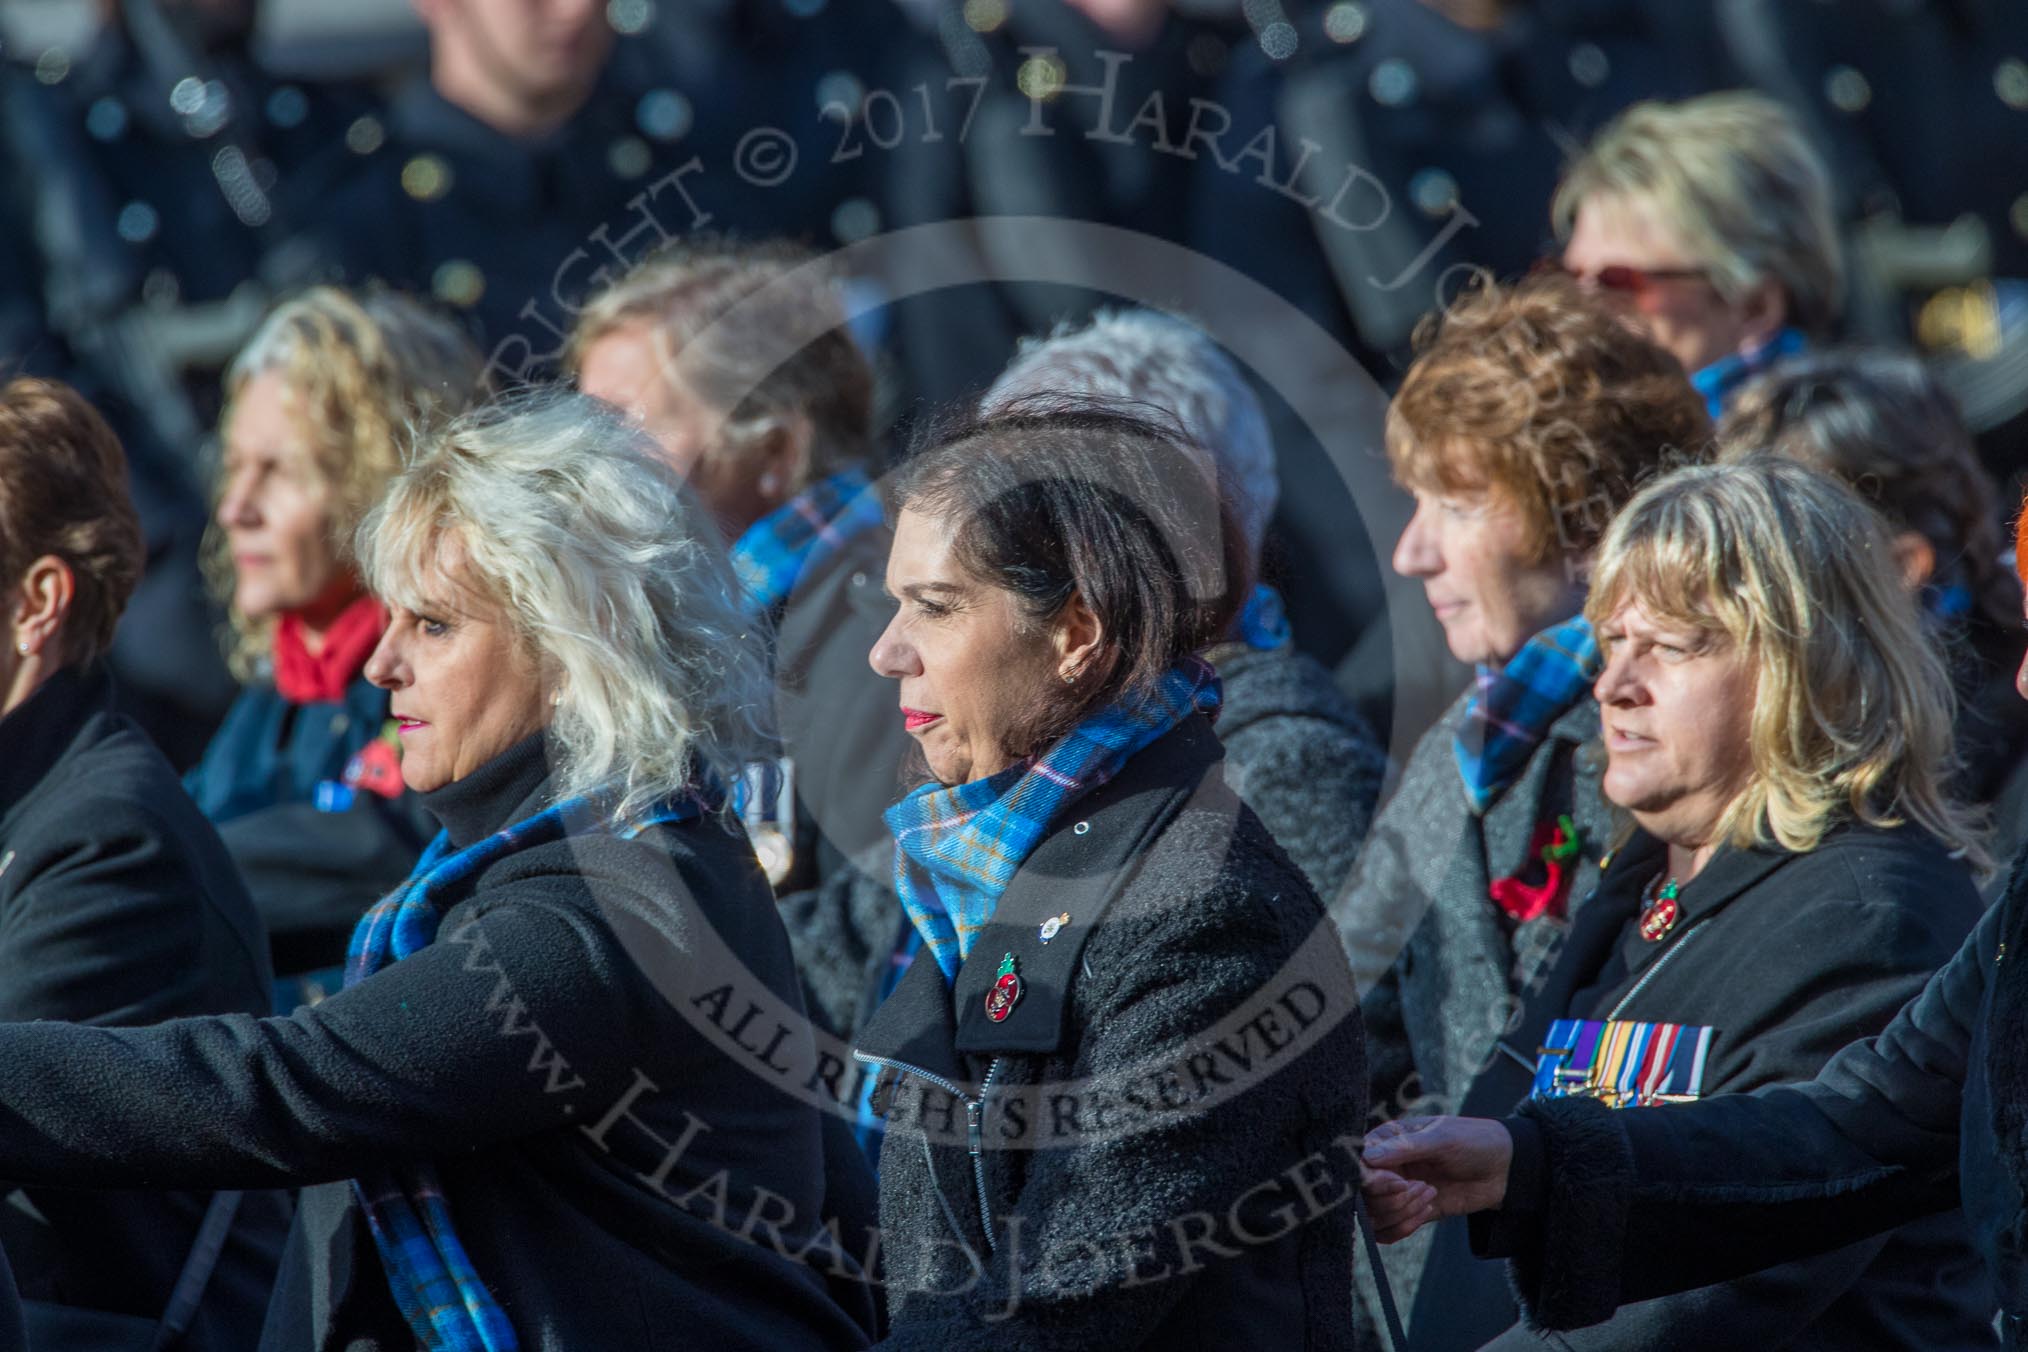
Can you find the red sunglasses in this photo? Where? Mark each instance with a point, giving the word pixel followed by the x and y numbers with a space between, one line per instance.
pixel 1628 281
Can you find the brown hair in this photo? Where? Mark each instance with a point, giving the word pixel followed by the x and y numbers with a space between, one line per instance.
pixel 1535 393
pixel 1053 497
pixel 63 491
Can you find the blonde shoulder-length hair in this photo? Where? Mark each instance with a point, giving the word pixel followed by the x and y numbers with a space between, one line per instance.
pixel 1852 713
pixel 552 507
pixel 365 373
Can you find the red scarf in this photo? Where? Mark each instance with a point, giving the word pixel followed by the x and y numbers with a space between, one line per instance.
pixel 304 677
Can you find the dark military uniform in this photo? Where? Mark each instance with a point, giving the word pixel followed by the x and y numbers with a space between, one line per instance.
pixel 516 232
pixel 1402 150
pixel 148 183
pixel 1921 109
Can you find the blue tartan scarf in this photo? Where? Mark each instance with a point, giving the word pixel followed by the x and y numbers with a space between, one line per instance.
pixel 1723 378
pixel 798 536
pixel 1509 710
pixel 957 848
pixel 443 1298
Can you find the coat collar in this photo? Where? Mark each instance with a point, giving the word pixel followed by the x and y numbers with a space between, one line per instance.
pixel 1081 865
pixel 42 731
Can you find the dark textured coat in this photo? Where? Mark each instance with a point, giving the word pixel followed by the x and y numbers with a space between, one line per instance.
pixel 1442 969
pixel 119 906
pixel 573 1053
pixel 1162 1127
pixel 1301 757
pixel 1931 1115
pixel 1789 957
pixel 312 873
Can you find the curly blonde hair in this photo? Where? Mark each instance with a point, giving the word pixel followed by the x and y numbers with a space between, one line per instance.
pixel 1853 708
pixel 366 374
pixel 1535 393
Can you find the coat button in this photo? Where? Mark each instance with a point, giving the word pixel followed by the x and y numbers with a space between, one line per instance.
pixel 339 722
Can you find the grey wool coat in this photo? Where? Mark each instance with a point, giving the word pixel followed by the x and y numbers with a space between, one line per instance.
pixel 1442 970
pixel 1155 1147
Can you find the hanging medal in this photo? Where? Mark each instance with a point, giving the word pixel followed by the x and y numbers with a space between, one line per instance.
pixel 1006 990
pixel 1658 917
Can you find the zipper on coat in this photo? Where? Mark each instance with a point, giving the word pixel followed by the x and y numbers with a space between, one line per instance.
pixel 975 1114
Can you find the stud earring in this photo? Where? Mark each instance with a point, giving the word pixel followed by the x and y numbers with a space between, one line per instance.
pixel 22 647
pixel 1070 678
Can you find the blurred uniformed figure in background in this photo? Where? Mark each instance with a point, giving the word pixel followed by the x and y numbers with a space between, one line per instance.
pixel 542 153
pixel 1920 107
pixel 149 172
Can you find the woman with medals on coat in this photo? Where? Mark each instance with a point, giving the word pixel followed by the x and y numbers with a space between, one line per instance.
pixel 1777 722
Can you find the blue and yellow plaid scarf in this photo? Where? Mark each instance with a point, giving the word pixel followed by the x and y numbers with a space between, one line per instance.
pixel 1509 710
pixel 440 1294
pixel 798 536
pixel 957 848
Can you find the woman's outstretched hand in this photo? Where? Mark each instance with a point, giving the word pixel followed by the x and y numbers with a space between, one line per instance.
pixel 1422 1169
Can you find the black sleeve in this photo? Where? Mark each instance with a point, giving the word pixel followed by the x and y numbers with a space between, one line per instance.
pixel 451 1048
pixel 1648 1202
pixel 106 924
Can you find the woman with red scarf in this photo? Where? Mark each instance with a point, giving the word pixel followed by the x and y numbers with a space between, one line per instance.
pixel 303 778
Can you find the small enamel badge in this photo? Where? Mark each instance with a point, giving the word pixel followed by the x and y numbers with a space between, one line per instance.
pixel 1658 917
pixel 1054 926
pixel 1006 990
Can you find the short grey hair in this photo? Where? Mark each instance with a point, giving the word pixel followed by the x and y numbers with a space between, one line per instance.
pixel 1733 178
pixel 1170 367
pixel 567 517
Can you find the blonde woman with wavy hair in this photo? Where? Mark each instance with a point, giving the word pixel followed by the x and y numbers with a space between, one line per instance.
pixel 302 778
pixel 1778 728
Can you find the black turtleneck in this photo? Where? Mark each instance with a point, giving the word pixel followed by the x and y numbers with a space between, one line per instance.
pixel 499 793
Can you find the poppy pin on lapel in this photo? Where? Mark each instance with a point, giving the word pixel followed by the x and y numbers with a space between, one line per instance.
pixel 1054 926
pixel 1006 990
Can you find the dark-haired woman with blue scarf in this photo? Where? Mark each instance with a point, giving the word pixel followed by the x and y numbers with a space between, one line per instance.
pixel 1121 1078
pixel 526 1121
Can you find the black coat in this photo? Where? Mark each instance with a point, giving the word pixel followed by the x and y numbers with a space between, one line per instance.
pixel 575 1055
pixel 1162 1128
pixel 1822 950
pixel 119 906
